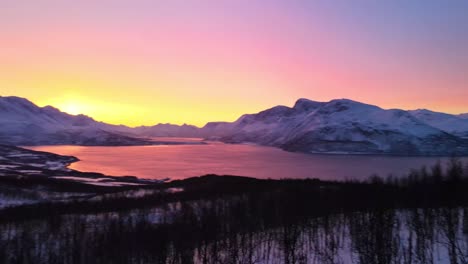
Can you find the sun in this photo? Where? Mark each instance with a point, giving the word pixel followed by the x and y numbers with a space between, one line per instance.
pixel 72 108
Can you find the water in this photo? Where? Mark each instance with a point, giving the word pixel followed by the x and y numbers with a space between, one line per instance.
pixel 183 161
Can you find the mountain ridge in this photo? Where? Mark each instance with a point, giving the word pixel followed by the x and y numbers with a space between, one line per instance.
pixel 336 126
pixel 344 126
pixel 24 123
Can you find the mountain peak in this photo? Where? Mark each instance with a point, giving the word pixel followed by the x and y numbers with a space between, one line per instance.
pixel 304 104
pixel 13 99
pixel 422 111
pixel 17 106
pixel 349 102
pixel 340 105
pixel 345 101
pixel 18 101
pixel 51 108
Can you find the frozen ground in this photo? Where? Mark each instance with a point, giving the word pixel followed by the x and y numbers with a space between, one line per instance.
pixel 30 177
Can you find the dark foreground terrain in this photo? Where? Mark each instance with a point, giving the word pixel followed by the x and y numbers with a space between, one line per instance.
pixel 422 218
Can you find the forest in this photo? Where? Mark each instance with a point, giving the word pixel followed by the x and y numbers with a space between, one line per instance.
pixel 419 218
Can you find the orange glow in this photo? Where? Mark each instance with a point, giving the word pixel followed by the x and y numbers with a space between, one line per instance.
pixel 72 108
pixel 209 60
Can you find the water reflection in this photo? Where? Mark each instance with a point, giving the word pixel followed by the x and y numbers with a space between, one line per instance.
pixel 183 161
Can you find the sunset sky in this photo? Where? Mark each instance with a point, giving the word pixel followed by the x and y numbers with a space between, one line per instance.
pixel 191 61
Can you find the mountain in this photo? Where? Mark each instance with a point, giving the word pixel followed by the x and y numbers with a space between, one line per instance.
pixel 337 126
pixel 343 126
pixel 454 124
pixel 24 123
pixel 464 116
pixel 215 130
pixel 166 130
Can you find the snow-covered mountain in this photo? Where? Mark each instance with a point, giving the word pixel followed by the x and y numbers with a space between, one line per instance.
pixel 454 124
pixel 464 116
pixel 343 126
pixel 24 123
pixel 165 130
pixel 338 126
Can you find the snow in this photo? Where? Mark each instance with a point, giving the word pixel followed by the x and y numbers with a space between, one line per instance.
pixel 166 130
pixel 6 201
pixel 97 181
pixel 446 122
pixel 114 184
pixel 23 155
pixel 3 166
pixel 352 126
pixel 82 179
pixel 24 123
pixel 174 190
pixel 349 123
pixel 30 171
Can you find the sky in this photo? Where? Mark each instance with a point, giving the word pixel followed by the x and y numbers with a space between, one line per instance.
pixel 142 62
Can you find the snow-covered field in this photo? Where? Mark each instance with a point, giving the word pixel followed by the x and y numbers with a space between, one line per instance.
pixel 31 177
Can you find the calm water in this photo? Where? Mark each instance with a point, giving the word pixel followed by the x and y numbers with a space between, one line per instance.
pixel 183 161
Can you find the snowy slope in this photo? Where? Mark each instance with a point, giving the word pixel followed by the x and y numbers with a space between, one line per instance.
pixel 450 123
pixel 24 123
pixel 343 126
pixel 166 130
pixel 338 126
pixel 215 130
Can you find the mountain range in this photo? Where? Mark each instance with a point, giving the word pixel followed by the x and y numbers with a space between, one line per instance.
pixel 337 126
pixel 24 123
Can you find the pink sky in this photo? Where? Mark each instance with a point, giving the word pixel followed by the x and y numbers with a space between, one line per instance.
pixel 145 62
